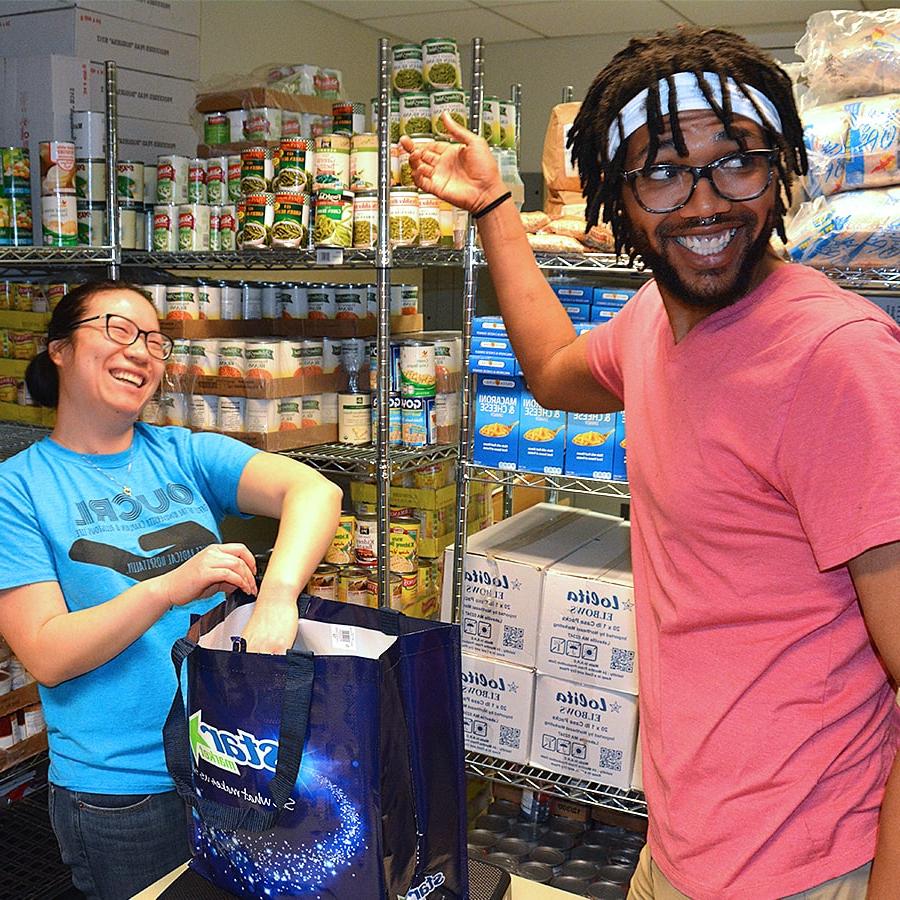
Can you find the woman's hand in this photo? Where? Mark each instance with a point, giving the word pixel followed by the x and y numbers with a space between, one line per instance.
pixel 272 627
pixel 464 174
pixel 217 567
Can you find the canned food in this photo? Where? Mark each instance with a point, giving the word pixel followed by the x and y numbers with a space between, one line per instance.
pixel 16 171
pixel 21 222
pixel 9 388
pixel 59 219
pixel 296 165
pixel 290 226
pixel 230 413
pixel 395 601
pixel 89 132
pixel 417 369
pixel 149 184
pixel 354 418
pixel 415 114
pixel 321 301
pixel 261 359
pixel 182 302
pixel 331 356
pixel 128 228
pixel 508 136
pixel 535 871
pixel 54 293
pixel 404 546
pixel 231 358
pixel 172 179
pixel 365 219
pixel 409 589
pixel 193 226
pixel 232 300
pixel 204 357
pixel 310 357
pixel 323 582
pixel 237 124
pixel 311 410
pixel 348 117
pixel 90 180
pixel 165 228
pixel 367 540
pixel 268 299
pixel 215 231
pixel 440 64
pixel 202 410
pixel 290 123
pixel 342 551
pixel 406 68
pixel 453 102
pixel 263 124
pixel 332 171
pixel 23 296
pixel 217 180
pixel 259 216
pixel 364 162
pixel 257 170
pixel 417 421
pixel 329 409
pixel 429 220
pixel 235 165
pixel 403 220
pixel 490 120
pixel 334 219
pixel 227 228
pixel 289 414
pixel 91 219
pixel 251 300
pixel 353 585
pixel 261 415
pixel 130 181
pixel 57 168
pixel 294 302
pixel 179 361
pixel 217 128
pixel 395 426
pixel 351 302
pixel 209 300
pixel 446 418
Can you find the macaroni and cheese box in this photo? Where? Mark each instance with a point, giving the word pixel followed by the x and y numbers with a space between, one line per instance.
pixel 502 578
pixel 590 445
pixel 603 312
pixel 586 631
pixel 497 409
pixel 620 458
pixel 585 732
pixel 612 296
pixel 542 437
pixel 493 355
pixel 488 326
pixel 577 312
pixel 498 701
pixel 569 292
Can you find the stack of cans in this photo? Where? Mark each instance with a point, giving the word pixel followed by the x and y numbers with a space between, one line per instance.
pixel 135 196
pixel 59 222
pixel 16 224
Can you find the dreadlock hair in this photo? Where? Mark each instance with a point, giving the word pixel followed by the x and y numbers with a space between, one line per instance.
pixel 641 65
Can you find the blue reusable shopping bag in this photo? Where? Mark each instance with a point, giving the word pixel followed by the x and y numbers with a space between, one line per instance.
pixel 333 772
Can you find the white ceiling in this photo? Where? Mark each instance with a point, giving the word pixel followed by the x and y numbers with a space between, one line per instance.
pixel 500 21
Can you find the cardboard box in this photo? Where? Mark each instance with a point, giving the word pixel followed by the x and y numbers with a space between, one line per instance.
pixel 603 312
pixel 612 296
pixel 586 631
pixel 497 706
pixel 495 365
pixel 542 437
pixel 587 733
pixel 620 459
pixel 503 577
pixel 175 15
pixel 590 445
pixel 144 95
pixel 578 312
pixel 488 326
pixel 572 293
pixel 246 98
pixel 637 777
pixel 92 35
pixel 497 408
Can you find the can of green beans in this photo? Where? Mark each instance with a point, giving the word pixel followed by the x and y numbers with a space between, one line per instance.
pixel 334 219
pixel 290 227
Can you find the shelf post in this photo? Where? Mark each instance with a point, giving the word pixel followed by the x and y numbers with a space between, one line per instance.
pixel 469 287
pixel 112 155
pixel 383 262
pixel 515 94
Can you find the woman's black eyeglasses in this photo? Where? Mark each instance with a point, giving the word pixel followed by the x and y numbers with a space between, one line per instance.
pixel 124 331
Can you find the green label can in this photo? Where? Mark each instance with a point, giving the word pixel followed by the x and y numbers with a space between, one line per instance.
pixel 334 219
pixel 507 125
pixel 364 162
pixel 453 102
pixel 406 68
pixel 234 178
pixel 440 64
pixel 217 180
pixel 16 171
pixel 415 114
pixel 165 227
pixel 332 171
pixel 216 128
pixel 59 221
pixel 228 228
pixel 295 165
pixel 490 120
pixel 129 181
pixel 257 170
pixel 259 216
pixel 291 223
pixel 365 219
pixel 21 223
pixel 91 224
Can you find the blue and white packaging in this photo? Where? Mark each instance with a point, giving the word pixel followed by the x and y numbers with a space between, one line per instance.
pixel 612 296
pixel 493 355
pixel 542 437
pixel 577 312
pixel 620 459
pixel 590 445
pixel 587 625
pixel 488 326
pixel 568 292
pixel 603 313
pixel 498 702
pixel 497 408
pixel 586 732
pixel 890 305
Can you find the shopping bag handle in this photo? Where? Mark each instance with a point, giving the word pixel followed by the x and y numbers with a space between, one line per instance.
pixel 294 719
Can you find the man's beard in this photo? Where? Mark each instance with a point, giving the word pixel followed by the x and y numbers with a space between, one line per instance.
pixel 714 298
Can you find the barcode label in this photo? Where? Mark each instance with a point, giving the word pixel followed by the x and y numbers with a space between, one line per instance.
pixel 622 660
pixel 611 760
pixel 343 638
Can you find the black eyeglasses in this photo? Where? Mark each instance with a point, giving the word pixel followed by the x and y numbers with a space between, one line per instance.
pixel 124 331
pixel 739 176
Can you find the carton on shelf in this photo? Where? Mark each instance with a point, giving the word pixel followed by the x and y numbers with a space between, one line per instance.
pixel 542 437
pixel 503 577
pixel 586 631
pixel 590 445
pixel 144 95
pixel 587 733
pixel 174 15
pixel 620 459
pixel 91 35
pixel 497 410
pixel 497 706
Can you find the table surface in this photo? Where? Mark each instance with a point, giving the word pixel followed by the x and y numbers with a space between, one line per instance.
pixel 520 888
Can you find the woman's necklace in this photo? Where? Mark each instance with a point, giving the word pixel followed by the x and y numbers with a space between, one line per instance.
pixel 126 489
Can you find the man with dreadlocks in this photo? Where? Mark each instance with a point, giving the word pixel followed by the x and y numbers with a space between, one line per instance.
pixel 762 452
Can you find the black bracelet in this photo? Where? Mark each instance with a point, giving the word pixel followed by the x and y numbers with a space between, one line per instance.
pixel 492 205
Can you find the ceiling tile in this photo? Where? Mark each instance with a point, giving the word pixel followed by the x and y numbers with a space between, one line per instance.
pixel 462 25
pixel 739 13
pixel 367 9
pixel 564 18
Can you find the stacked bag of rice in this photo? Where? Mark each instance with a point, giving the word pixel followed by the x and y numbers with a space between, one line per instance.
pixel 851 116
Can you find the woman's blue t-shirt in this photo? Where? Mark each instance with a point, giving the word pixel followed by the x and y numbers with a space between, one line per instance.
pixel 65 517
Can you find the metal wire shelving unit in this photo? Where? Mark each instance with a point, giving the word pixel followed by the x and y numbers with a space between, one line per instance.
pixel 616 490
pixel 344 459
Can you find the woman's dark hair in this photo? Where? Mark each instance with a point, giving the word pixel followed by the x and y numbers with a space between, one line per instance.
pixel 641 65
pixel 42 376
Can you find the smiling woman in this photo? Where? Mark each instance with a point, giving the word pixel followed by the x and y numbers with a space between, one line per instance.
pixel 113 540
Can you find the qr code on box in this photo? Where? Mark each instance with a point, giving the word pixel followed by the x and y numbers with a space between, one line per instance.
pixel 513 637
pixel 510 737
pixel 611 760
pixel 622 660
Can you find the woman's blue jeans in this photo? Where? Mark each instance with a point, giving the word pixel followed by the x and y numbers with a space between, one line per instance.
pixel 118 844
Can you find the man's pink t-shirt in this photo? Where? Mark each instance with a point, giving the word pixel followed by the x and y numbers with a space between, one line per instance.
pixel 763 454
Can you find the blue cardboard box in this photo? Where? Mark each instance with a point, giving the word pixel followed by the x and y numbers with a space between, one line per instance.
pixel 493 355
pixel 542 437
pixel 590 445
pixel 613 296
pixel 603 312
pixel 569 292
pixel 582 327
pixel 497 411
pixel 620 460
pixel 488 326
pixel 578 312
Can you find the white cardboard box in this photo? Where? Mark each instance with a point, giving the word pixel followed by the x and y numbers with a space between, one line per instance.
pixel 504 570
pixel 637 778
pixel 587 733
pixel 175 15
pixel 497 706
pixel 89 35
pixel 587 625
pixel 141 139
pixel 143 95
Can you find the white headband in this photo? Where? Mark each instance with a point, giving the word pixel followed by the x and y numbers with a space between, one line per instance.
pixel 690 96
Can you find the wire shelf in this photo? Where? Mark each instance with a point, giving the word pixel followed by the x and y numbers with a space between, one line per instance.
pixel 588 262
pixel 617 490
pixel 70 256
pixel 344 459
pixel 563 786
pixel 15 438
pixel 876 279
